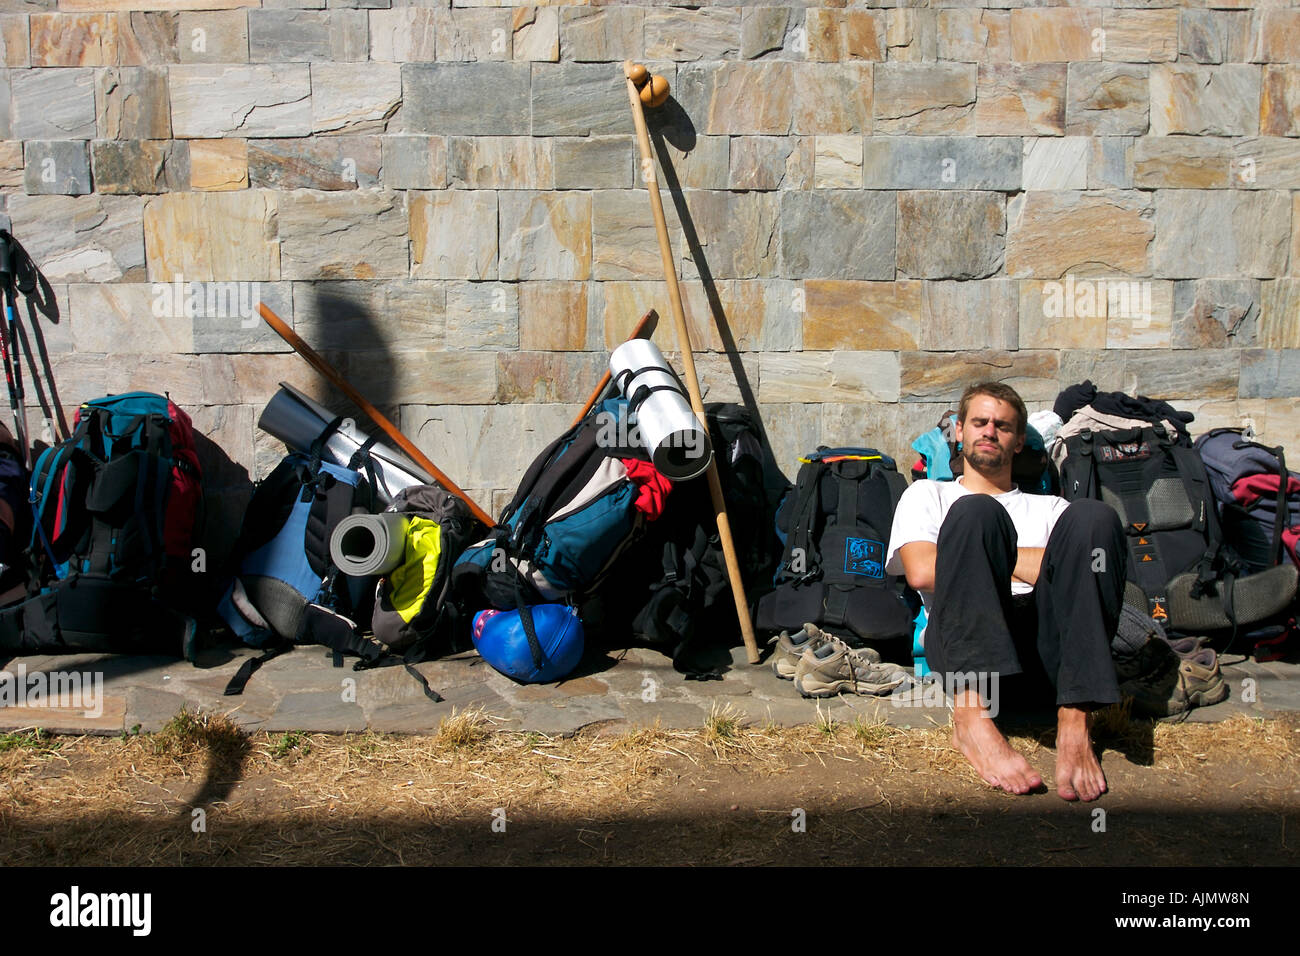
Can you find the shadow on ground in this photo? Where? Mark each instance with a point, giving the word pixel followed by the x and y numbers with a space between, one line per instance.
pixel 718 835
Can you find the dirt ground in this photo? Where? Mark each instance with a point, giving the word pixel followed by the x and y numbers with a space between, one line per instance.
pixel 203 793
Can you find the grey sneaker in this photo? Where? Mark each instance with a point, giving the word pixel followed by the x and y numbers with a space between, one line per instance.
pixel 835 667
pixel 785 659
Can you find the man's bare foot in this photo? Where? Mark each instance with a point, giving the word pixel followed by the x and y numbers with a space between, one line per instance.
pixel 980 741
pixel 1078 774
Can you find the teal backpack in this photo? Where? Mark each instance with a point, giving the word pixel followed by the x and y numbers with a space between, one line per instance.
pixel 117 509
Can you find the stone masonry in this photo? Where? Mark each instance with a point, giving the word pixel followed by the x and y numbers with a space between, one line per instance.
pixel 885 201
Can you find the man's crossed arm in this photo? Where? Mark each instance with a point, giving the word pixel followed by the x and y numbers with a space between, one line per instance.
pixel 918 564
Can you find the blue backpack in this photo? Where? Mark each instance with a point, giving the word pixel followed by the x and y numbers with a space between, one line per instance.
pixel 121 497
pixel 573 514
pixel 286 590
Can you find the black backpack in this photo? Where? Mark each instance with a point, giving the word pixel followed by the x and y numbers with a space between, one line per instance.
pixel 832 572
pixel 673 584
pixel 1180 571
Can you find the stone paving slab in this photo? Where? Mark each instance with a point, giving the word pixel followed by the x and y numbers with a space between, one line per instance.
pixel 317 710
pixel 303 691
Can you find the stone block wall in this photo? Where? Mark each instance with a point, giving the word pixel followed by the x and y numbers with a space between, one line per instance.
pixel 874 204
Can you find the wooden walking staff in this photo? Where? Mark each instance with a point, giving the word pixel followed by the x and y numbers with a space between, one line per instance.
pixel 376 416
pixel 653 91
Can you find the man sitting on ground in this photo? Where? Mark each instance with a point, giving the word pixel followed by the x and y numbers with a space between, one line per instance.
pixel 1014 584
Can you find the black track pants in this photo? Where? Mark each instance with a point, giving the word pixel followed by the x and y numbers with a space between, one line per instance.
pixel 1058 637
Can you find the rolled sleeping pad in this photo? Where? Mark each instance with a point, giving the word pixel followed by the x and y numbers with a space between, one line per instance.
pixel 298 421
pixel 367 545
pixel 678 444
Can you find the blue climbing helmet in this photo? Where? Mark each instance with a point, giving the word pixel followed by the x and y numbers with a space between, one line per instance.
pixel 535 644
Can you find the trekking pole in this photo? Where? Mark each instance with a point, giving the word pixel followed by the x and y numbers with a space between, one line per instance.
pixel 28 282
pixel 9 350
pixel 654 90
pixel 644 329
pixel 408 446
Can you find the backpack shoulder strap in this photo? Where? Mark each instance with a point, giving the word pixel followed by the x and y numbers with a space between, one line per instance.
pixel 362 461
pixel 1082 465
pixel 562 469
pixel 1192 471
pixel 803 518
pixel 897 484
pixel 1283 517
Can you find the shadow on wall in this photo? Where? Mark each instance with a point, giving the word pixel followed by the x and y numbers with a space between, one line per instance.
pixel 350 336
pixel 339 327
pixel 348 333
pixel 672 125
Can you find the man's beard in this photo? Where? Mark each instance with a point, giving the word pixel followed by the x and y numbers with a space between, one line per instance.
pixel 986 457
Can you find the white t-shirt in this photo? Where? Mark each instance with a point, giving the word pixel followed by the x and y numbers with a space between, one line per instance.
pixel 925 504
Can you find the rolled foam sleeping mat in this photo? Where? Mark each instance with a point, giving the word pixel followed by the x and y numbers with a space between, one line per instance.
pixel 367 545
pixel 678 444
pixel 298 421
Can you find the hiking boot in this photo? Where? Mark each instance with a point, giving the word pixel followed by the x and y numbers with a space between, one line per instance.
pixel 785 659
pixel 1168 691
pixel 1203 682
pixel 1186 647
pixel 835 667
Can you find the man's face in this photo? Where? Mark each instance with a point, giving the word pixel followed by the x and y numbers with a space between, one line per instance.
pixel 989 436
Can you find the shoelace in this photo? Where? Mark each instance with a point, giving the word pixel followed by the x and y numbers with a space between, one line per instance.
pixel 856 660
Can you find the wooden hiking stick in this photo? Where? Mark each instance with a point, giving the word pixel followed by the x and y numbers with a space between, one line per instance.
pixel 320 365
pixel 644 329
pixel 653 90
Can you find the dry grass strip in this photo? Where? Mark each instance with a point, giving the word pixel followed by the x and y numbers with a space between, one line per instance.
pixel 317 798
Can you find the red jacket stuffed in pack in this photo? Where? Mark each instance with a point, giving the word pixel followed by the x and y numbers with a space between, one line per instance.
pixel 1258 494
